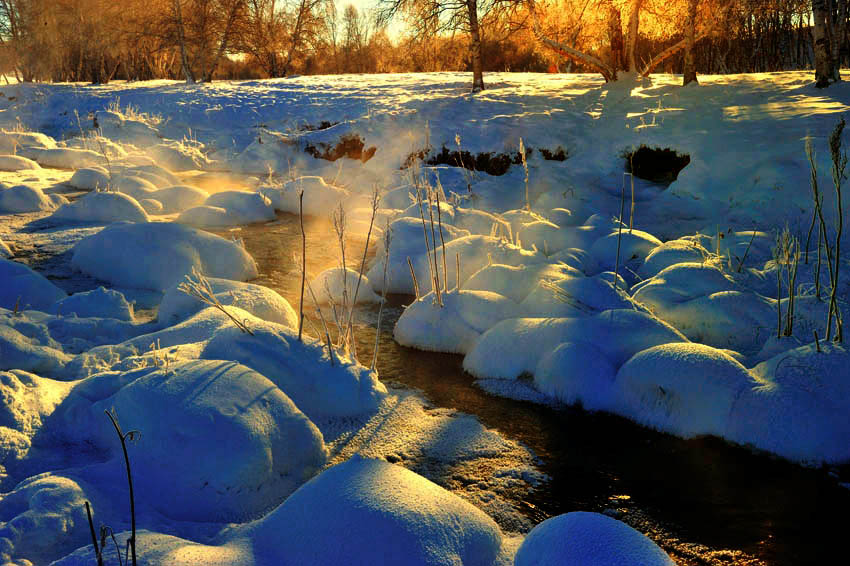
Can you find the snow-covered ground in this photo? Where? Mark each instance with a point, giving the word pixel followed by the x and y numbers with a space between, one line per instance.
pixel 247 431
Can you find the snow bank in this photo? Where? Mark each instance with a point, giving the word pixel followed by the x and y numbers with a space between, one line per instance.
pixel 22 286
pixel 262 302
pixel 235 444
pixel 124 129
pixel 178 156
pixel 379 514
pixel 685 389
pixel 670 253
pixel 331 284
pixel 17 163
pixel 41 519
pixel 577 373
pixel 571 296
pixel 319 197
pixel 98 303
pixel 68 158
pixel 456 325
pixel 158 255
pixel 516 282
pixel 18 143
pixel 243 207
pixel 90 178
pixel 515 346
pixel 102 208
pixel 23 198
pixel 302 370
pixel 800 407
pixel 178 198
pixel 581 538
pixel 136 187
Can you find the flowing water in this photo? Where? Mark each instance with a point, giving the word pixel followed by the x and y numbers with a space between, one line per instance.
pixel 703 500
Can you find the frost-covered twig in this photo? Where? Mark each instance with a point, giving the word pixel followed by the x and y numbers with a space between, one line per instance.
pixel 197 286
pixel 132 436
pixel 387 241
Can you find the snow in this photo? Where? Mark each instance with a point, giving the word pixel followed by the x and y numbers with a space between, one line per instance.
pixel 22 286
pixel 17 163
pixel 302 370
pixel 178 198
pixel 102 208
pixel 455 325
pixel 581 538
pixel 382 514
pixel 515 346
pixel 98 303
pixel 686 389
pixel 24 198
pixel 685 342
pixel 262 302
pixel 235 444
pixel 339 287
pixel 90 178
pixel 159 255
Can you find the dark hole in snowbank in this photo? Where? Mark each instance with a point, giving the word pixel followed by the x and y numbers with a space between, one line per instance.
pixel 659 165
pixel 489 162
pixel 349 145
pixel 323 125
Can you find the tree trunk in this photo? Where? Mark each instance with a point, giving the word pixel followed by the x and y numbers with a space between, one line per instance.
pixel 634 26
pixel 823 62
pixel 475 35
pixel 181 39
pixel 689 74
pixel 615 34
pixel 296 35
pixel 225 39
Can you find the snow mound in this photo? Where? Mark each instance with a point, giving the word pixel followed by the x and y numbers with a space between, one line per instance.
pixel 407 241
pixel 17 163
pixel 515 346
pixel 5 250
pixel 21 286
pixel 331 284
pixel 671 253
pixel 243 207
pixel 260 301
pixel 302 370
pixel 136 187
pixel 516 282
pixel 23 349
pixel 381 514
pixel 118 127
pixel 634 245
pixel 90 178
pixel 205 216
pixel 41 519
pixel 178 198
pixel 98 303
pixel 236 446
pixel 17 143
pixel 577 372
pixel 23 198
pixel 158 255
pixel 572 296
pixel 68 158
pixel 456 325
pixel 685 389
pixel 178 156
pixel 151 206
pixel 102 208
pixel 319 197
pixel 800 409
pixel 581 538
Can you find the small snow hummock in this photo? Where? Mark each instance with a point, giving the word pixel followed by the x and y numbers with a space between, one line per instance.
pixel 335 285
pixel 262 302
pixel 102 208
pixel 23 198
pixel 159 255
pixel 98 303
pixel 21 288
pixel 17 163
pixel 581 538
pixel 374 513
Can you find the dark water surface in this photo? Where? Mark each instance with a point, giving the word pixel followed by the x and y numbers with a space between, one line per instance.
pixel 704 501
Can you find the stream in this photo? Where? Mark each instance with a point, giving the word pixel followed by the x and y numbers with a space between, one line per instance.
pixel 703 500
